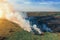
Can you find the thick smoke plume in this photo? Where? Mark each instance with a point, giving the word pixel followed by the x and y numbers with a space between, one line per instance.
pixel 19 19
pixel 7 12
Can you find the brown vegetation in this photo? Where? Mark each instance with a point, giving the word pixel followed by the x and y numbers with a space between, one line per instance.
pixel 8 27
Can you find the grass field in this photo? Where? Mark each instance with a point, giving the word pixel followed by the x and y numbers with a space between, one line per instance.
pixel 11 31
pixel 28 36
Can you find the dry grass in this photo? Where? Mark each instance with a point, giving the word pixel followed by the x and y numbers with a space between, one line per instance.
pixel 7 27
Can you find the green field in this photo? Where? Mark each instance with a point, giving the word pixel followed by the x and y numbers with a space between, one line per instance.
pixel 23 35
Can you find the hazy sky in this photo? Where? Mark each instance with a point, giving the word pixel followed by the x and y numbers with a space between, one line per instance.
pixel 36 5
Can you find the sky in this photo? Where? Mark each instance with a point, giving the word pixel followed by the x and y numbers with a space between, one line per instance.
pixel 36 5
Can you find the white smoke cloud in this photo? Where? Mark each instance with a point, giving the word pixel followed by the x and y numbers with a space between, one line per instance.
pixel 37 29
pixel 18 18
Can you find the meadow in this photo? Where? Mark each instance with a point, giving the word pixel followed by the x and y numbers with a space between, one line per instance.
pixel 23 35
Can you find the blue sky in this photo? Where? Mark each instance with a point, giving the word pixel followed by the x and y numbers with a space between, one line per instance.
pixel 36 5
pixel 44 0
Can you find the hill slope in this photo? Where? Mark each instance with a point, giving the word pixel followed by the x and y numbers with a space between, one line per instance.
pixel 8 27
pixel 11 31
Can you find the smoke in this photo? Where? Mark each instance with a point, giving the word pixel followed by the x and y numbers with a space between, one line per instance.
pixel 20 20
pixel 36 29
pixel 17 17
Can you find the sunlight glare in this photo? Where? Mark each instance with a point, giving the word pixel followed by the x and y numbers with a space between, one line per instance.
pixel 1 14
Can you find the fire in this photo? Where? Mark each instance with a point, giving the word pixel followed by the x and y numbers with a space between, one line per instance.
pixel 2 9
pixel 5 8
pixel 7 12
pixel 1 14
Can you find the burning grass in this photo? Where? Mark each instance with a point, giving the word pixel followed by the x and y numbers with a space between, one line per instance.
pixel 11 31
